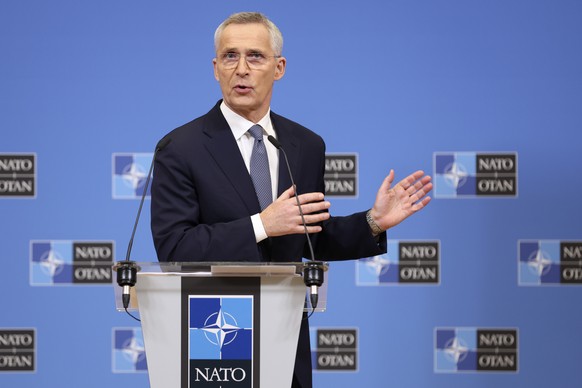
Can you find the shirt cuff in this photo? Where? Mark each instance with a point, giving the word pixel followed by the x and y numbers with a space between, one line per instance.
pixel 258 228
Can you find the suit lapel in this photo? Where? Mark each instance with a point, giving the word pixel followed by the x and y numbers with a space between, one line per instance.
pixel 223 149
pixel 290 144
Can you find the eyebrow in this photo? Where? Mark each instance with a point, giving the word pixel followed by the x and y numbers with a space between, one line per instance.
pixel 251 50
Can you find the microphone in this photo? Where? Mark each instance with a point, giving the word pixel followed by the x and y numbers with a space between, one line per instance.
pixel 313 271
pixel 127 269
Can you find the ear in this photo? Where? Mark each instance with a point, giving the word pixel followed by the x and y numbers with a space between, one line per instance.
pixel 215 69
pixel 280 69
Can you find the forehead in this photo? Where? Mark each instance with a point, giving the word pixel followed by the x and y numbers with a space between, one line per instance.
pixel 245 37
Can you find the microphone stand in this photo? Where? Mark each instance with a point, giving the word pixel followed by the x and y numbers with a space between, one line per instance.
pixel 127 269
pixel 313 270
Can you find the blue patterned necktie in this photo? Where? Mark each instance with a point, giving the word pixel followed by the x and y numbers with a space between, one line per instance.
pixel 260 173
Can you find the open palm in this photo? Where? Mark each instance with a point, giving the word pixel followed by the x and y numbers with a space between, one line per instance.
pixel 394 204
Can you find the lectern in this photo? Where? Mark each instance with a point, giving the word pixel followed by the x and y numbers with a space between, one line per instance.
pixel 220 324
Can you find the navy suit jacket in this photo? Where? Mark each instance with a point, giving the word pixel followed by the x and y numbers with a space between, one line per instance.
pixel 203 197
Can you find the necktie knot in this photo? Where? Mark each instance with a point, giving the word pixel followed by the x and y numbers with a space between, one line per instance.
pixel 256 131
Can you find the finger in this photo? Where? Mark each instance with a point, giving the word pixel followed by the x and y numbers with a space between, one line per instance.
pixel 416 196
pixel 312 229
pixel 310 197
pixel 414 188
pixel 300 229
pixel 315 207
pixel 316 218
pixel 418 185
pixel 409 180
pixel 421 194
pixel 421 204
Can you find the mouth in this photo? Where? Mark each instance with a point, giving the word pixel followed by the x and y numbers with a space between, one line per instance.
pixel 243 89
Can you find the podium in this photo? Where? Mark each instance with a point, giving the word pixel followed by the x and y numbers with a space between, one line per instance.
pixel 220 324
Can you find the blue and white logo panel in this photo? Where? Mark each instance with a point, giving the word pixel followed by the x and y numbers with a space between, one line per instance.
pixel 405 262
pixel 51 262
pixel 470 350
pixel 454 174
pixel 475 174
pixel 128 351
pixel 549 262
pixel 65 262
pixel 130 171
pixel 221 340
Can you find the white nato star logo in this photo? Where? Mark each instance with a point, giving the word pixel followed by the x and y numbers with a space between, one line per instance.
pixel 220 328
pixel 133 175
pixel 51 263
pixel 133 350
pixel 539 263
pixel 456 350
pixel 455 175
pixel 378 265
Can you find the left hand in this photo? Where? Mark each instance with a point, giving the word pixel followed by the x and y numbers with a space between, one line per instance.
pixel 394 205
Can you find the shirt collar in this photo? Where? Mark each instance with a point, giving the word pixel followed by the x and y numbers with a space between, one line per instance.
pixel 239 125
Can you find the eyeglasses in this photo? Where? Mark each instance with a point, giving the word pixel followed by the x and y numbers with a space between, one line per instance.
pixel 254 60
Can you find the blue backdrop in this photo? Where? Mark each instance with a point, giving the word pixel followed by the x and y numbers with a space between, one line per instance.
pixel 83 80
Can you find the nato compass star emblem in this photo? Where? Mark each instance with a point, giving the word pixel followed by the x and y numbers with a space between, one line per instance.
pixel 377 270
pixel 215 333
pixel 130 172
pixel 51 263
pixel 134 176
pixel 456 350
pixel 539 263
pixel 133 350
pixel 378 265
pixel 220 328
pixel 129 354
pixel 455 175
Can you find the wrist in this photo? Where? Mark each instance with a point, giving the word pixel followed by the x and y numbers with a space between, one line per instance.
pixel 374 227
pixel 258 228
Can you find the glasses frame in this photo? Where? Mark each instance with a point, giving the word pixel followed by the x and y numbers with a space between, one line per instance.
pixel 232 64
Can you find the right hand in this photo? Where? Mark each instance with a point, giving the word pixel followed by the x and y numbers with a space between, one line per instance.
pixel 282 216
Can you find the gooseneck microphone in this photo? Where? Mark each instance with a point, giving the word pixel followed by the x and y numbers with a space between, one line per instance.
pixel 313 271
pixel 127 269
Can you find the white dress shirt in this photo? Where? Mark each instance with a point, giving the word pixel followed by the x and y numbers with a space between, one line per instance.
pixel 239 127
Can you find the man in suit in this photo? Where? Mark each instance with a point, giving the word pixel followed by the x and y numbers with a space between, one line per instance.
pixel 207 204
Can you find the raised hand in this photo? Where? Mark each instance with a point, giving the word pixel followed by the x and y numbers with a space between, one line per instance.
pixel 394 204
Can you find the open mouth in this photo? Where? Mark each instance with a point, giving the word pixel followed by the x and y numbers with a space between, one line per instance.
pixel 242 88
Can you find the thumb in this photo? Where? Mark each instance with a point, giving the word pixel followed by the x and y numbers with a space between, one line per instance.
pixel 286 194
pixel 387 182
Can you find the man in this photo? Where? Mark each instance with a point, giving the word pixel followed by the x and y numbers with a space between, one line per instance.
pixel 210 201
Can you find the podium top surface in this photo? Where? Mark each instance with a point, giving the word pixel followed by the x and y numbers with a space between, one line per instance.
pixel 222 268
pixel 211 269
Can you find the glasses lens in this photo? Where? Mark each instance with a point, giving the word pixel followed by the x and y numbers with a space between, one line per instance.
pixel 253 60
pixel 230 59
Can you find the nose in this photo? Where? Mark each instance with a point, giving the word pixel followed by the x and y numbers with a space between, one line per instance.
pixel 242 67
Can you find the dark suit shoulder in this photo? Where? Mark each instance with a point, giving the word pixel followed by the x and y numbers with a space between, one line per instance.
pixel 190 129
pixel 195 131
pixel 296 130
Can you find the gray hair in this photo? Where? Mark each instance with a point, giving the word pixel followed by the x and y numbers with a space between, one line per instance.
pixel 248 18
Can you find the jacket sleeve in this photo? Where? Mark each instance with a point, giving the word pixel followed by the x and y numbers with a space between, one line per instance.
pixel 343 237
